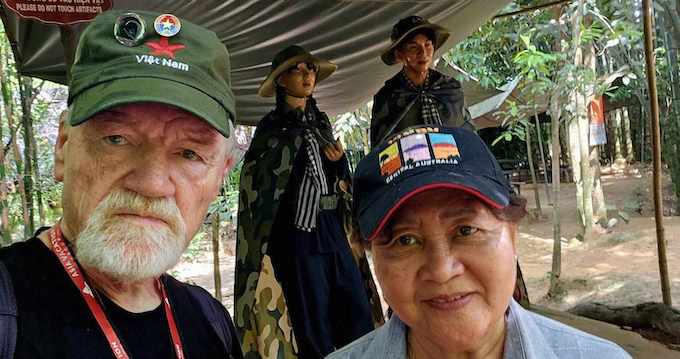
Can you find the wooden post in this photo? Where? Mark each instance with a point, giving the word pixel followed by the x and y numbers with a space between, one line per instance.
pixel 216 254
pixel 533 172
pixel 650 60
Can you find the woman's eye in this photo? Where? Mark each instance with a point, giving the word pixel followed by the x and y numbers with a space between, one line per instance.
pixel 115 140
pixel 191 155
pixel 406 241
pixel 467 231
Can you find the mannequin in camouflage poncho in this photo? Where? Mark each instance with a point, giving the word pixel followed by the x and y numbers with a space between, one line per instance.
pixel 298 290
pixel 416 95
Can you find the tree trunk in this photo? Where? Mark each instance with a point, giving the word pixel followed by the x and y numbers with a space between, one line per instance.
pixel 627 135
pixel 38 182
pixel 586 172
pixel 539 134
pixel 4 185
pixel 643 135
pixel 583 129
pixel 555 114
pixel 530 156
pixel 26 91
pixel 653 320
pixel 8 100
pixel 599 204
pixel 216 255
pixel 575 158
pixel 617 132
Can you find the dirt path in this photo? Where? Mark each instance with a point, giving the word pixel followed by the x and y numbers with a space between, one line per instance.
pixel 618 268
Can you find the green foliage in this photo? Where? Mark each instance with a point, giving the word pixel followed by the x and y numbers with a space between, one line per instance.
pixel 532 63
pixel 517 131
pixel 46 107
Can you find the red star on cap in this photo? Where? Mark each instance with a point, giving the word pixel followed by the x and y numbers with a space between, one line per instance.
pixel 163 48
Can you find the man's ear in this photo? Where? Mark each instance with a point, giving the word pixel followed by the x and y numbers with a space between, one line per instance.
pixel 59 150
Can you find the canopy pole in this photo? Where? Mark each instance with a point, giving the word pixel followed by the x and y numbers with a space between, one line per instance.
pixel 650 59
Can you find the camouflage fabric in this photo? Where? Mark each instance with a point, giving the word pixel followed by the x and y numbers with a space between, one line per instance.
pixel 260 314
pixel 396 97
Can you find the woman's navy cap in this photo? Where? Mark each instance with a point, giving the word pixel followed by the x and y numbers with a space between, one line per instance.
pixel 420 159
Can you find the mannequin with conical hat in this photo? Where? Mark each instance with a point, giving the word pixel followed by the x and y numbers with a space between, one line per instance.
pixel 298 287
pixel 417 94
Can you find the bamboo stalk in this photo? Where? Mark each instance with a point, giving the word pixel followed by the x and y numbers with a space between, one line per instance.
pixel 656 150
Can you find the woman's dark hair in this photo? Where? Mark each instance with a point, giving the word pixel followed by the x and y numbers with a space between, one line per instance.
pixel 280 94
pixel 514 211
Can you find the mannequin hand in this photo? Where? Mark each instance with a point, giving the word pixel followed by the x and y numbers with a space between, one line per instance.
pixel 334 152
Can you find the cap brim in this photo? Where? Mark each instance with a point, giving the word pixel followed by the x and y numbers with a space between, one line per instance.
pixel 441 34
pixel 326 68
pixel 374 217
pixel 150 89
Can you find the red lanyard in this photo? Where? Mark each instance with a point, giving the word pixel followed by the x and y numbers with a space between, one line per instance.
pixel 71 267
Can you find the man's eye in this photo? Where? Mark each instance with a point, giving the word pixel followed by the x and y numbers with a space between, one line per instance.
pixel 467 231
pixel 191 155
pixel 116 140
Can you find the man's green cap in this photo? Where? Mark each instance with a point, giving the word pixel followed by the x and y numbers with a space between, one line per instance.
pixel 122 58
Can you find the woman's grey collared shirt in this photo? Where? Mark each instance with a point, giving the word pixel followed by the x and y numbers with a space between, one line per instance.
pixel 528 336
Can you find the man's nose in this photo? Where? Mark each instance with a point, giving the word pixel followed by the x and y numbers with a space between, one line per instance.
pixel 150 175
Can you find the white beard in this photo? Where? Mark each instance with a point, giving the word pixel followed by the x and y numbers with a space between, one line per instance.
pixel 124 249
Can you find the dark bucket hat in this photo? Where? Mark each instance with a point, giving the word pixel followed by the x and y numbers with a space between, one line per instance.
pixel 420 159
pixel 407 26
pixel 288 58
pixel 138 56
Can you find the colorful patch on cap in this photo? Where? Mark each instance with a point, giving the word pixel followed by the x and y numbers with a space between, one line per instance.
pixel 389 160
pixel 444 146
pixel 419 147
pixel 415 148
pixel 167 25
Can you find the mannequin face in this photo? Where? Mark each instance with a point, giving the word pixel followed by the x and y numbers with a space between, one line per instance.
pixel 299 80
pixel 416 54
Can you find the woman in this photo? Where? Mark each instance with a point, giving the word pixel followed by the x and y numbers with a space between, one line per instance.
pixel 441 221
pixel 291 239
pixel 418 94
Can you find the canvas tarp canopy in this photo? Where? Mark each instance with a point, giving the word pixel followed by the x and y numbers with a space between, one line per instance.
pixel 488 105
pixel 350 33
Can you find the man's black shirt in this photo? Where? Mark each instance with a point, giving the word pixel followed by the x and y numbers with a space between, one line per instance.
pixel 54 321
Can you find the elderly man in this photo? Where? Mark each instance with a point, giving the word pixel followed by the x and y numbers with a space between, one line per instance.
pixel 417 95
pixel 141 155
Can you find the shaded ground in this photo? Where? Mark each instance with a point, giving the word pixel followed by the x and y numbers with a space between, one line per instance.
pixel 617 268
